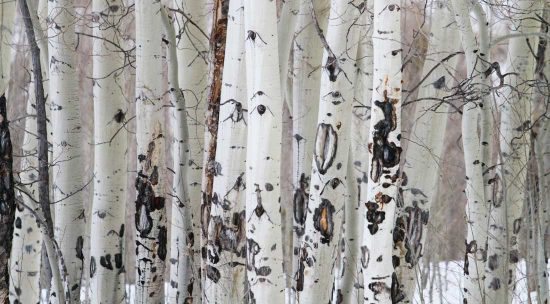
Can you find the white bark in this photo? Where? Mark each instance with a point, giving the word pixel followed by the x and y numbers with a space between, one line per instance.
pixel 385 150
pixel 150 218
pixel 226 252
pixel 286 27
pixel 422 162
pixel 306 75
pixel 327 194
pixel 181 253
pixel 192 75
pixel 7 16
pixel 68 165
pixel 358 165
pixel 107 235
pixel 515 127
pixel 266 281
pixel 26 251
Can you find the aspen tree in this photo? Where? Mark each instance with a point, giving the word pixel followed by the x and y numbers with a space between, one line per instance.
pixel 67 162
pixel 150 217
pixel 226 252
pixel 385 151
pixel 266 282
pixel 422 162
pixel 108 231
pixel 192 48
pixel 327 193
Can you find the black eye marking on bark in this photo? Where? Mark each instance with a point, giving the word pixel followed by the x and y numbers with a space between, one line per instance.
pixel 252 35
pixel 385 154
pixel 259 210
pixel 105 261
pixel 262 109
pixel 300 271
pixel 336 97
pixel 92 266
pixel 492 262
pixel 213 273
pixel 326 145
pixel 253 249
pixel 300 204
pixel 238 112
pixel 374 217
pixel 397 293
pixel 393 7
pixel 79 246
pixel 365 256
pixel 119 116
pixel 379 288
pixel 323 222
pixel 18 223
pixel 439 83
pixel 495 284
pixel 333 68
pixel 162 243
pixel 517 226
pixel 205 217
pixel 118 261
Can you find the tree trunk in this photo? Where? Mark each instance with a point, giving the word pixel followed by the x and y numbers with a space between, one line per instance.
pixel 306 75
pixel 422 162
pixel 266 281
pixel 380 280
pixel 107 251
pixel 515 129
pixel 150 217
pixel 327 194
pixel 68 166
pixel 226 252
pixel 192 50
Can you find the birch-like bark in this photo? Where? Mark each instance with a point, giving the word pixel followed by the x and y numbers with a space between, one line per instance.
pixel 286 27
pixel 150 217
pixel 266 281
pixel 68 166
pixel 515 127
pixel 476 210
pixel 192 51
pixel 422 162
pixel 358 165
pixel 226 252
pixel 26 251
pixel 181 252
pixel 210 167
pixel 7 198
pixel 380 279
pixel 306 75
pixel 107 237
pixel 328 194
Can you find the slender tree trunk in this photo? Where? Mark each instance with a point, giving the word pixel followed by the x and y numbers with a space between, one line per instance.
pixel 327 194
pixel 306 75
pixel 181 252
pixel 226 252
pixel 150 217
pixel 55 257
pixel 515 127
pixel 68 165
pixel 266 281
pixel 476 210
pixel 210 166
pixel 192 51
pixel 7 199
pixel 107 273
pixel 358 165
pixel 426 145
pixel 384 145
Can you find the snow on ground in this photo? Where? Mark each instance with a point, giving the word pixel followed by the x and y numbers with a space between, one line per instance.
pixel 443 286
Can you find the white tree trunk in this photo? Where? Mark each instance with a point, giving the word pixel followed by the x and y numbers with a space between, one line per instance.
pixel 181 252
pixel 192 51
pixel 26 251
pixel 150 217
pixel 7 16
pixel 306 75
pixel 515 127
pixel 266 281
pixel 68 165
pixel 327 193
pixel 385 151
pixel 107 237
pixel 226 252
pixel 358 165
pixel 422 162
